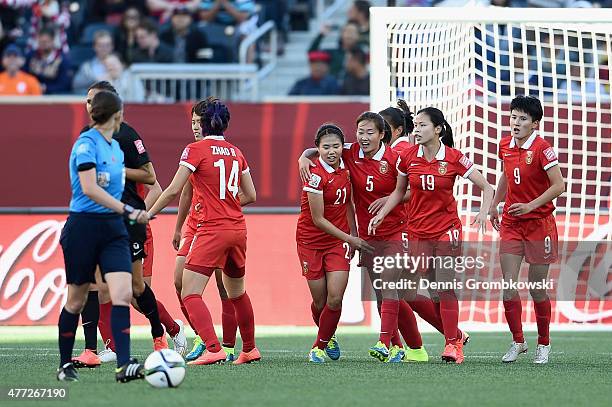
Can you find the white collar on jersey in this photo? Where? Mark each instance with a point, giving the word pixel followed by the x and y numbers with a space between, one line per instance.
pixel 528 143
pixel 399 140
pixel 214 138
pixel 440 155
pixel 379 154
pixel 328 167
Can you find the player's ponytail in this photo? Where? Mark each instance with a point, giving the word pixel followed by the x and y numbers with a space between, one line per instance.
pixel 437 118
pixel 388 133
pixel 400 116
pixel 326 129
pixel 215 118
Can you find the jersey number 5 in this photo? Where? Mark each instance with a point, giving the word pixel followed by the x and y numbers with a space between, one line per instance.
pixel 232 182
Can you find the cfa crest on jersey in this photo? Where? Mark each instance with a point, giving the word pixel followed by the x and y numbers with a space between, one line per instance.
pixel 384 167
pixel 315 180
pixel 529 157
pixel 443 167
pixel 304 268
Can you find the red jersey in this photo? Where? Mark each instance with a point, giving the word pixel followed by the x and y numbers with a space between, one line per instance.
pixel 525 170
pixel 401 144
pixel 373 178
pixel 217 167
pixel 432 208
pixel 335 186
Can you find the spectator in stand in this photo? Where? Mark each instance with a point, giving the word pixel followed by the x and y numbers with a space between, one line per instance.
pixel 94 70
pixel 349 38
pixel 320 82
pixel 49 13
pixel 150 48
pixel 163 9
pixel 188 43
pixel 240 13
pixel 360 13
pixel 112 11
pixel 125 39
pixel 50 65
pixel 356 77
pixel 277 11
pixel 129 88
pixel 13 81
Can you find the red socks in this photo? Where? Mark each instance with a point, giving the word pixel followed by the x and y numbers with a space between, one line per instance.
pixel 165 318
pixel 449 311
pixel 513 310
pixel 389 310
pixel 407 325
pixel 228 321
pixel 200 316
pixel 246 321
pixel 396 339
pixel 543 315
pixel 426 309
pixel 328 322
pixel 104 324
pixel 316 313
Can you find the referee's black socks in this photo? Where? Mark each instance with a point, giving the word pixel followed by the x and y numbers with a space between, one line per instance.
pixel 89 319
pixel 67 326
pixel 148 306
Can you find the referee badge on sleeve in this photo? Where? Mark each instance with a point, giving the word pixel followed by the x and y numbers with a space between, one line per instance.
pixel 103 179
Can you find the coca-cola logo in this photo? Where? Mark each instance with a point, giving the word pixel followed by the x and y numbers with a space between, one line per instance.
pixel 20 286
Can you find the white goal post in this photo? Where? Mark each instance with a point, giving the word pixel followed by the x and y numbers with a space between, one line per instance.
pixel 470 62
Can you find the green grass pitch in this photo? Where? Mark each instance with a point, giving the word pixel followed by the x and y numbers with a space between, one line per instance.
pixel 580 373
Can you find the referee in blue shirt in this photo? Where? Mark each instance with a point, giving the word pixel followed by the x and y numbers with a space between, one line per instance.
pixel 95 234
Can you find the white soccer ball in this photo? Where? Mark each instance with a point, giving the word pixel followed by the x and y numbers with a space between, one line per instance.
pixel 164 368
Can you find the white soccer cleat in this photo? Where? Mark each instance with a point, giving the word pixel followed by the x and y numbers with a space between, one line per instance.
pixel 107 355
pixel 515 350
pixel 180 340
pixel 541 354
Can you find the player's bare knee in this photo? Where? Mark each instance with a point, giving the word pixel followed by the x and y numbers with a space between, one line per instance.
pixel 138 287
pixel 510 295
pixel 334 301
pixel 538 295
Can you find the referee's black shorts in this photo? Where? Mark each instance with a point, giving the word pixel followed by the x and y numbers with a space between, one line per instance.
pixel 92 239
pixel 138 236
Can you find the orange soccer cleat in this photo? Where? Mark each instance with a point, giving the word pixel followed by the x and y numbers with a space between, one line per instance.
pixel 459 352
pixel 86 359
pixel 248 357
pixel 160 342
pixel 450 353
pixel 210 358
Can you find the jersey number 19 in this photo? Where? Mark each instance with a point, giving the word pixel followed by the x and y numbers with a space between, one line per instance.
pixel 232 182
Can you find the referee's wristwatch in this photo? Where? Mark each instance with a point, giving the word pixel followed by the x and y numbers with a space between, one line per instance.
pixel 127 211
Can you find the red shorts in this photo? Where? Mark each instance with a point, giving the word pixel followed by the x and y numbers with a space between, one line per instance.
pixel 316 262
pixel 147 262
pixel 535 239
pixel 186 240
pixel 446 244
pixel 391 245
pixel 218 249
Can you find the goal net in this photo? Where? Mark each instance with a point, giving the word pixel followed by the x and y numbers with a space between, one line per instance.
pixel 470 62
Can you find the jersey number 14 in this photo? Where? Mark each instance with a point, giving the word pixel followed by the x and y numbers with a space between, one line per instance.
pixel 232 182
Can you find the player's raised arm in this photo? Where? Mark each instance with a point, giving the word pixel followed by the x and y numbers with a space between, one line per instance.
pixel 304 163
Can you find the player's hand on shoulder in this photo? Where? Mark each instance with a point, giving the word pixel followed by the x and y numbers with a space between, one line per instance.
pixel 304 165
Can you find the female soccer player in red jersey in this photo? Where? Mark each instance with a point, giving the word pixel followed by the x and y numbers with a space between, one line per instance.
pixel 373 175
pixel 182 239
pixel 326 236
pixel 218 169
pixel 530 180
pixel 400 120
pixel 433 223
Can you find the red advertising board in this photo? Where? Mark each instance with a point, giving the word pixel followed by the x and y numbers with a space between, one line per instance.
pixel 32 280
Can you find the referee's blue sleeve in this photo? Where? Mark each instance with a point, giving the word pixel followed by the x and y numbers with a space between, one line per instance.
pixel 85 151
